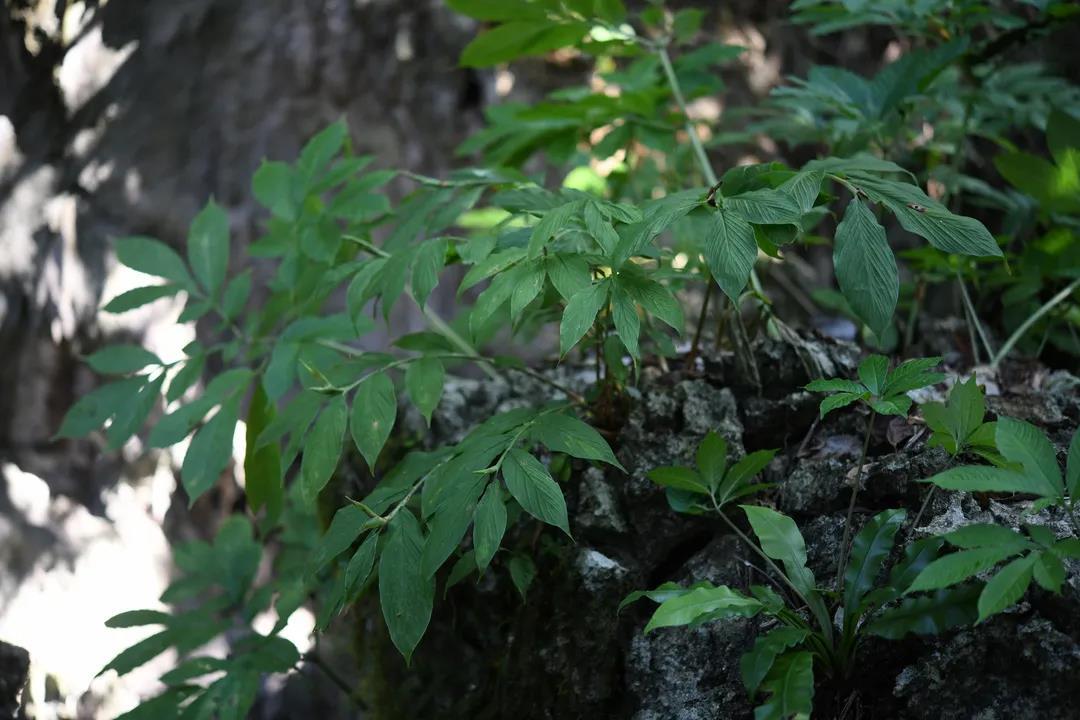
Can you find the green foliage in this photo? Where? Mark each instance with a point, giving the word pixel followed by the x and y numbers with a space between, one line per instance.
pixel 880 388
pixel 781 664
pixel 713 479
pixel 1028 465
pixel 957 424
pixel 603 259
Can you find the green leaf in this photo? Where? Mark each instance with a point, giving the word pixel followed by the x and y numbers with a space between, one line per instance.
pixel 121 359
pixel 406 594
pixel 153 257
pixel 746 469
pixel 625 316
pixel 711 459
pixel 1007 586
pixel 429 262
pixel 1023 443
pixel 755 664
pixel 424 383
pixel 262 465
pixel 236 295
pixel 765 207
pixel 779 536
pixel 600 228
pixel 958 418
pixel 520 38
pixel 567 434
pixel 1072 468
pixel 790 683
pixel 704 602
pixel 322 448
pixel 320 150
pixel 186 377
pixel 374 411
pixel 209 452
pixel 836 385
pixel 945 231
pixel 567 273
pixel 837 401
pixel 272 186
pixel 657 300
pixel 804 188
pixel 865 267
pixel 450 519
pixel 348 523
pixel 208 246
pixel 869 551
pixel 680 478
pixel 1062 135
pixel 138 618
pixel 489 525
pixel 138 297
pixel 360 566
pixel 664 592
pixel 93 409
pixel 989 535
pixel 896 405
pixel 522 573
pixel 529 281
pixel 781 540
pixel 730 250
pixel 533 487
pixel 1049 572
pixel 977 478
pixel 957 567
pixel 129 418
pixel 873 372
pixel 141 653
pixel 580 313
pixel 912 375
pixel 929 614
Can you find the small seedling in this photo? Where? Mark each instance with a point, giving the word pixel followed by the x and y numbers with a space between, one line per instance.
pixel 884 392
pixel 713 479
pixel 782 662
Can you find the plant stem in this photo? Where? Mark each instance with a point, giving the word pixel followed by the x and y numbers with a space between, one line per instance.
pixel 973 319
pixel 332 675
pixel 816 609
pixel 922 508
pixel 851 505
pixel 691 131
pixel 1034 318
pixel 437 323
pixel 701 319
pixel 575 397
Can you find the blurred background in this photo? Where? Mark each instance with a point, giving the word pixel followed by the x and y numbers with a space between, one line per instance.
pixel 124 117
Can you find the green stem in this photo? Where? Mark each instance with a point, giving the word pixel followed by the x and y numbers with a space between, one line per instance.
pixel 701 317
pixel 851 505
pixel 437 323
pixel 1034 318
pixel 575 397
pixel 973 318
pixel 691 131
pixel 817 609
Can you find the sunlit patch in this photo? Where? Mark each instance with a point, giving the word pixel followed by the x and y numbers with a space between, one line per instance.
pixel 680 261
